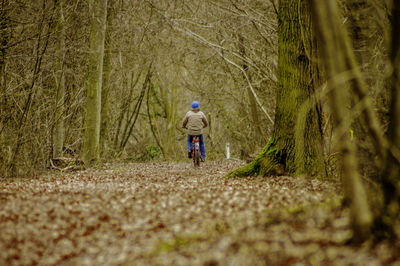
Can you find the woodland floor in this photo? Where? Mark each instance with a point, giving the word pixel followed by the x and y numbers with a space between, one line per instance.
pixel 171 214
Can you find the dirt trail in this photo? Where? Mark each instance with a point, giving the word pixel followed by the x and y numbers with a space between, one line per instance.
pixel 169 214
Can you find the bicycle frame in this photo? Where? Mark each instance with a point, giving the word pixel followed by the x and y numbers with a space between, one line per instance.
pixel 196 150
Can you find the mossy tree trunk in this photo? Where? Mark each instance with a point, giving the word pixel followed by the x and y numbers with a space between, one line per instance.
pixel 297 150
pixel 93 84
pixel 58 133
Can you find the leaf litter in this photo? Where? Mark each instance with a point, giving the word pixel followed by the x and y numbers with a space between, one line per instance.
pixel 173 214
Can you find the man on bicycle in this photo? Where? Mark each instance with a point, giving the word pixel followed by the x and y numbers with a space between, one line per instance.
pixel 195 121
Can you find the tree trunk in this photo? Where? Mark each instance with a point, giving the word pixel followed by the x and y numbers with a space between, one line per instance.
pixel 252 101
pixel 133 116
pixel 4 38
pixel 106 81
pixel 360 29
pixel 297 79
pixel 150 115
pixel 337 59
pixel 390 176
pixel 124 109
pixel 4 112
pixel 58 134
pixel 93 82
pixel 363 41
pixel 169 95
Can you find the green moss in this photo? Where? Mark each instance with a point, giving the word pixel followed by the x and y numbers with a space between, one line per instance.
pixel 297 209
pixel 296 145
pixel 178 243
pixel 263 164
pixel 175 244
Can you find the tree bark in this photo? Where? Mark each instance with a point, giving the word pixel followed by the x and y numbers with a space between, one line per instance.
pixel 297 81
pixel 390 176
pixel 106 81
pixel 4 109
pixel 169 95
pixel 93 84
pixel 337 59
pixel 363 40
pixel 360 31
pixel 58 134
pixel 252 101
pixel 152 123
pixel 4 38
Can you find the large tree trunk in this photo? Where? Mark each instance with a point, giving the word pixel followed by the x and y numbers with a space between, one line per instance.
pixel 298 78
pixel 363 41
pixel 390 176
pixel 338 60
pixel 360 28
pixel 58 134
pixel 93 82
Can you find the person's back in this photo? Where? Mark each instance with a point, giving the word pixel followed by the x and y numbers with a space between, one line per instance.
pixel 195 121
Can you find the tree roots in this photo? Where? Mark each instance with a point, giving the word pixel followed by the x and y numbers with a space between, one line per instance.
pixel 267 163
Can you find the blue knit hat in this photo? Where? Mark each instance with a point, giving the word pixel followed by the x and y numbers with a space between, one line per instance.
pixel 195 105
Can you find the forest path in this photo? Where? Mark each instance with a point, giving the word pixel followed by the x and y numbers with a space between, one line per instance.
pixel 171 214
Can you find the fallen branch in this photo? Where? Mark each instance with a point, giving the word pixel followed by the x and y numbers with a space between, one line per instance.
pixel 63 164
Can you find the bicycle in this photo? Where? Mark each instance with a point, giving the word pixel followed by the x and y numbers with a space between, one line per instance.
pixel 196 151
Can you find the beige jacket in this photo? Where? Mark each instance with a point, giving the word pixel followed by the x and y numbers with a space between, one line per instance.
pixel 195 121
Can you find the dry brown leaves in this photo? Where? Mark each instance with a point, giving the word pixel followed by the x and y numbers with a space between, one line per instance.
pixel 172 214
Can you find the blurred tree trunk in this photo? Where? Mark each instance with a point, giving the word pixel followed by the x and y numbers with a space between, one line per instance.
pixel 360 29
pixel 337 56
pixel 171 122
pixel 106 80
pixel 93 84
pixel 150 103
pixel 169 97
pixel 58 134
pixel 298 79
pixel 361 32
pixel 390 176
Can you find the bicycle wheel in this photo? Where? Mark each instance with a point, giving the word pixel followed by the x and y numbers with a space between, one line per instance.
pixel 196 158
